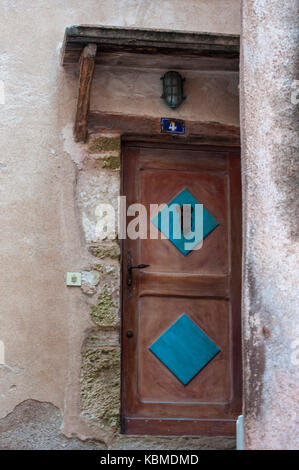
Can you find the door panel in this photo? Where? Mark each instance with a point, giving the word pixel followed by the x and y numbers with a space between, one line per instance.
pixel 155 315
pixel 210 189
pixel 181 364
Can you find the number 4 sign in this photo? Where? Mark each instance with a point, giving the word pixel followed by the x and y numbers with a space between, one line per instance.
pixel 172 126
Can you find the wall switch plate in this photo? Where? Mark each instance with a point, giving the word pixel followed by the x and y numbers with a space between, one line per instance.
pixel 73 279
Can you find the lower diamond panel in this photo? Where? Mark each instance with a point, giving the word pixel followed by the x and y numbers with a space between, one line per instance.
pixel 184 349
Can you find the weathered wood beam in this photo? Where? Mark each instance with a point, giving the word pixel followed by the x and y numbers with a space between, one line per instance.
pixel 205 133
pixel 221 49
pixel 87 63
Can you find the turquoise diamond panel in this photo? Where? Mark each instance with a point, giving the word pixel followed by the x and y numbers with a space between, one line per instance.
pixel 182 243
pixel 184 349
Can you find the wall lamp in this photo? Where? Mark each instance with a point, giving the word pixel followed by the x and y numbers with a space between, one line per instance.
pixel 173 89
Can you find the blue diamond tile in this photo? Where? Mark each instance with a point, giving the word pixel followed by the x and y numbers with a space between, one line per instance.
pixel 171 225
pixel 184 349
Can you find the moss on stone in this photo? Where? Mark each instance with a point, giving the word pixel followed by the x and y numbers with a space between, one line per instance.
pixel 104 313
pixel 100 268
pixel 111 163
pixel 108 270
pixel 100 386
pixel 104 144
pixel 102 252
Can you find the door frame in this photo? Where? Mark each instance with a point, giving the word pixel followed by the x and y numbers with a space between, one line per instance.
pixel 160 141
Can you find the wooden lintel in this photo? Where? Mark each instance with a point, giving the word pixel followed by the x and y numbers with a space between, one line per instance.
pixel 87 63
pixel 204 133
pixel 213 51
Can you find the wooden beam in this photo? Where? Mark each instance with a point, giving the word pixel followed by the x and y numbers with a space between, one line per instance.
pixel 204 133
pixel 219 51
pixel 87 63
pixel 151 37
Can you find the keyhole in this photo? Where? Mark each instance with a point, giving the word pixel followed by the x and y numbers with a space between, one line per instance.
pixel 186 218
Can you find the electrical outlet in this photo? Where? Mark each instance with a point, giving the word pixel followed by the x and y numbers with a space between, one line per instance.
pixel 73 279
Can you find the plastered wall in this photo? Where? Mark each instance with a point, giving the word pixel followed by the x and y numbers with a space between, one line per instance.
pixel 269 124
pixel 210 96
pixel 58 340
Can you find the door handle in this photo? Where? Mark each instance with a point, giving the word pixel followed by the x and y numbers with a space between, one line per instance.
pixel 140 266
pixel 130 269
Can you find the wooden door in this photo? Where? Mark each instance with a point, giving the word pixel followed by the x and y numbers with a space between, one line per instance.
pixel 181 348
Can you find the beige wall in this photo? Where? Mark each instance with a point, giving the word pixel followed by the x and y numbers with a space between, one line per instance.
pixel 43 324
pixel 210 96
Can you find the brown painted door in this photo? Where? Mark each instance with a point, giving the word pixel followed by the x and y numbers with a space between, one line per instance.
pixel 181 353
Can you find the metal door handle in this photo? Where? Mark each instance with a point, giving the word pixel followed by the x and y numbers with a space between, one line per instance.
pixel 130 268
pixel 140 266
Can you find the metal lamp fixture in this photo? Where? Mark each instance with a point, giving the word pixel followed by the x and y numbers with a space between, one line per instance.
pixel 173 89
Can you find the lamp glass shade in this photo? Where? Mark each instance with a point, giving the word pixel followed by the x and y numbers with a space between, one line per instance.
pixel 172 89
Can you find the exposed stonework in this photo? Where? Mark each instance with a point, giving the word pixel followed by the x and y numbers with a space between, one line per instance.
pixel 100 386
pixel 110 270
pixel 100 371
pixel 104 144
pixel 105 250
pixel 102 337
pixel 96 188
pixel 104 313
pixel 111 163
pixel 90 280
